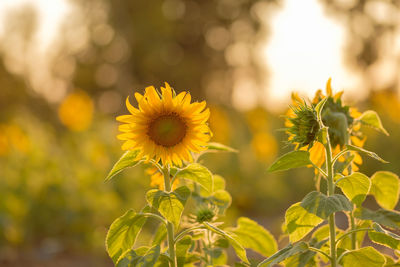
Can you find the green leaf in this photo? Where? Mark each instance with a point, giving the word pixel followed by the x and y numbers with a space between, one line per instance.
pixel 387 218
pixel 323 206
pixel 294 159
pixel 384 237
pixel 160 235
pixel 299 222
pixel 367 256
pixel 284 253
pixel 252 235
pixel 134 258
pixel 319 107
pixel 128 159
pixel 182 247
pixel 217 147
pixel 240 251
pixel 122 234
pixel 170 205
pixel 385 189
pixel 199 174
pixel 222 199
pixel 306 258
pixel 366 152
pixel 355 187
pixel 370 118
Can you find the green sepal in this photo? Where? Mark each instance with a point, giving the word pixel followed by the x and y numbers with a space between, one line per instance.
pixel 323 206
pixel 127 160
pixel 293 159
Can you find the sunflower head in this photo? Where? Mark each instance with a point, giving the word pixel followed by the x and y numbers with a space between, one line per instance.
pixel 303 126
pixel 165 127
pixel 335 115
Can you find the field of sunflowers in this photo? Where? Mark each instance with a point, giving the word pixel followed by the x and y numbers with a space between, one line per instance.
pixel 127 140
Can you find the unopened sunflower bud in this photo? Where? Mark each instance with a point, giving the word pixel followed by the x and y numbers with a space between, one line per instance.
pixel 304 125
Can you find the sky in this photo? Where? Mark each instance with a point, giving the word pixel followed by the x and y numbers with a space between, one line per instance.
pixel 305 49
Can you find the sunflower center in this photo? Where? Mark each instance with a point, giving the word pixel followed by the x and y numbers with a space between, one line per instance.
pixel 167 130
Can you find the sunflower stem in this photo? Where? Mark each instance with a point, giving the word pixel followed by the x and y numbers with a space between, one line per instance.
pixel 331 191
pixel 170 226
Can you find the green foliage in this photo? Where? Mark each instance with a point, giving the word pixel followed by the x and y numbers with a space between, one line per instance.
pixel 384 237
pixel 299 222
pixel 217 147
pixel 355 187
pixel 197 173
pixel 387 218
pixel 182 247
pixel 239 249
pixel 323 206
pixel 169 204
pixel 127 160
pixel 366 152
pixel 294 159
pixel 142 257
pixel 385 189
pixel 252 235
pixel 370 118
pixel 122 234
pixel 284 253
pixel 363 257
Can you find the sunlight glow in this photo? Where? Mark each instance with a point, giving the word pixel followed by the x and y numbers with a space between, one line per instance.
pixel 304 50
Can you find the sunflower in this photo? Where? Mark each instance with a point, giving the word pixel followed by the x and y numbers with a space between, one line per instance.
pixel 165 127
pixel 341 120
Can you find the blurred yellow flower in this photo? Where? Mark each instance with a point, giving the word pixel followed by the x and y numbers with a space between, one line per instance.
pixel 12 137
pixel 257 119
pixel 264 146
pixel 165 126
pixel 219 125
pixel 388 102
pixel 157 179
pixel 76 111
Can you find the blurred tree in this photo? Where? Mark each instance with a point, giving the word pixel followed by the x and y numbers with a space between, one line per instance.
pixel 373 28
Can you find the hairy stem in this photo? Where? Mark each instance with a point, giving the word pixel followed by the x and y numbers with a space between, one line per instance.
pixel 170 226
pixel 331 191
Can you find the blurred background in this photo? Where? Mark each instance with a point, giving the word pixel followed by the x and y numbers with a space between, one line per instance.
pixel 66 67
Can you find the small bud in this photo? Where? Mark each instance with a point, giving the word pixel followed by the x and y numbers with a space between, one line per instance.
pixel 205 214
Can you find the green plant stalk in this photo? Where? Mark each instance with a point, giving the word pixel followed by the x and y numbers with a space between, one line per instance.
pixel 331 191
pixel 353 236
pixel 170 226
